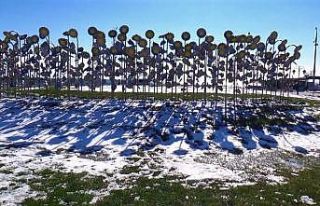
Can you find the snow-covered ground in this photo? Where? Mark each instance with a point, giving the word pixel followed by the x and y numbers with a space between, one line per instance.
pixel 168 138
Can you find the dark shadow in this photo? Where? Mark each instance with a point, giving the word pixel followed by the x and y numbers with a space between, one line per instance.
pixel 87 126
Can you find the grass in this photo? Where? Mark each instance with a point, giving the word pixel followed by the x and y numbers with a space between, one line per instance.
pixel 64 188
pixel 317 117
pixel 301 101
pixel 261 121
pixel 6 171
pixel 130 169
pixel 70 189
pixel 51 92
pixel 163 192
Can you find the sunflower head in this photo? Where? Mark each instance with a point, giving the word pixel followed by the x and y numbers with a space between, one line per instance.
pixel 177 45
pixel 222 50
pixel 149 34
pixel 113 50
pixel 209 38
pixel 261 46
pixel 95 51
pixel 212 47
pixel 99 35
pixel 169 36
pixel 298 48
pixel 124 29
pixel 43 32
pixel 73 33
pixel 272 38
pixel 92 30
pixel 142 43
pixel 101 41
pixel 63 42
pixel 256 40
pixel 122 37
pixel 296 55
pixel 185 36
pixel 201 33
pixel 242 38
pixel 130 52
pixel 228 35
pixel 3 46
pixel 112 33
pixel 136 38
pixel 156 49
pixel 34 39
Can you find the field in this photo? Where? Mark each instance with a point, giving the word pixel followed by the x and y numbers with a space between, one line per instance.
pixel 126 151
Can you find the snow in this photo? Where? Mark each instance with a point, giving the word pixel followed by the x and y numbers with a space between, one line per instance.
pixel 177 138
pixel 307 200
pixel 203 171
pixel 311 95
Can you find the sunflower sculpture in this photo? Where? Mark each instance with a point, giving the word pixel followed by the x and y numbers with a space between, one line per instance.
pixel 167 64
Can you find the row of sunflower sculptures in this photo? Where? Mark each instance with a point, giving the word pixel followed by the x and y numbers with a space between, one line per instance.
pixel 146 63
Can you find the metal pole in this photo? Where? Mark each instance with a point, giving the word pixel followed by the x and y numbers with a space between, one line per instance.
pixel 315 55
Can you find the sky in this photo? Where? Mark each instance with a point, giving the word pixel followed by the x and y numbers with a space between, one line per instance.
pixel 294 20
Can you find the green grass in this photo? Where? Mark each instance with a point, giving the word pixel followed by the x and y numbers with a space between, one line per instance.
pixel 317 117
pixel 130 169
pixel 70 189
pixel 64 188
pixel 163 192
pixel 117 95
pixel 262 120
pixel 6 171
pixel 301 101
pixel 51 92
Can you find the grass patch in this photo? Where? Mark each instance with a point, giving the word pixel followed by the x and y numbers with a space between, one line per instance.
pixel 21 173
pixel 301 101
pixel 317 117
pixel 64 188
pixel 134 159
pixel 260 121
pixel 6 171
pixel 130 169
pixel 70 189
pixel 163 192
pixel 51 92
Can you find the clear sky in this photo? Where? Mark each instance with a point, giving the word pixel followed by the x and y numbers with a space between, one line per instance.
pixel 293 19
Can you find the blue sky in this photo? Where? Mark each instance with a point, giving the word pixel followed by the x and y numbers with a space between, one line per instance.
pixel 293 19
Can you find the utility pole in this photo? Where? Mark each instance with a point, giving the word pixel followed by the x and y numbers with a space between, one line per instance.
pixel 315 55
pixel 299 70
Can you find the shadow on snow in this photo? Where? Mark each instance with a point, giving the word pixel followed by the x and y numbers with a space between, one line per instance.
pixel 86 126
